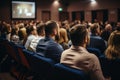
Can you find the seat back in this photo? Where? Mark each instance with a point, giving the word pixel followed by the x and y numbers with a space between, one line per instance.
pixel 11 51
pixel 23 59
pixel 3 50
pixel 44 63
pixel 110 68
pixel 95 51
pixel 39 64
pixel 63 72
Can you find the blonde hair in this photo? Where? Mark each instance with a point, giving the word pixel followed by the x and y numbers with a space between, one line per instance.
pixel 113 50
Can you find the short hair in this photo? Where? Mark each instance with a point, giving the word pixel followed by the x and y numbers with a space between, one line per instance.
pixel 94 28
pixel 49 27
pixel 40 28
pixel 14 31
pixel 29 29
pixel 78 34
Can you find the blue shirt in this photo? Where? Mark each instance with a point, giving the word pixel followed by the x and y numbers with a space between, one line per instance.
pixel 97 42
pixel 49 48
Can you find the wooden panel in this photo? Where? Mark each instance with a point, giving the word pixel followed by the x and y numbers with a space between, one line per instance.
pixel 100 16
pixel 113 15
pixel 79 15
pixel 46 15
pixel 119 15
pixel 63 16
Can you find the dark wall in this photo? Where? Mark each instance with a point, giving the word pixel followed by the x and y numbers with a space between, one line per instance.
pixel 87 6
pixel 42 5
pixel 67 5
pixel 5 10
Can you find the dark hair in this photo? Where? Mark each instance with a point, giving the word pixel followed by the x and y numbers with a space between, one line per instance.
pixel 21 35
pixel 14 31
pixel 94 28
pixel 78 34
pixel 29 29
pixel 40 29
pixel 49 27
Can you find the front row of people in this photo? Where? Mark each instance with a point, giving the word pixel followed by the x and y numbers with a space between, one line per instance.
pixel 76 56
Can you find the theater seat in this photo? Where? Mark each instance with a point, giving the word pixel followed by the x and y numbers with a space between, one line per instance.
pixel 3 51
pixel 22 69
pixel 63 72
pixel 110 68
pixel 42 67
pixel 95 51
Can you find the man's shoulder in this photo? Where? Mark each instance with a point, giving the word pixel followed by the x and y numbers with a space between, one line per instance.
pixel 31 37
pixel 92 56
pixel 47 43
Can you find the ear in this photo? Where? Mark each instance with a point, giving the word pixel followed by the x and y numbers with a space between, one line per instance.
pixel 55 32
pixel 87 39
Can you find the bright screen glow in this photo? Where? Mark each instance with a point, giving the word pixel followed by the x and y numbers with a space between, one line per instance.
pixel 23 10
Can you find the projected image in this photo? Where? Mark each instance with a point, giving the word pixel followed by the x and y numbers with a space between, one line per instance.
pixel 23 9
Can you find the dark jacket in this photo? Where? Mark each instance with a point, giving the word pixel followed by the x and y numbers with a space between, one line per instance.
pixel 97 42
pixel 49 48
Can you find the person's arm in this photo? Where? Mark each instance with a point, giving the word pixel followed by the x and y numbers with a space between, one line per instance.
pixel 96 72
pixel 65 36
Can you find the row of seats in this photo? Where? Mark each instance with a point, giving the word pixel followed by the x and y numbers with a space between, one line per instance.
pixel 32 66
pixel 27 65
pixel 110 68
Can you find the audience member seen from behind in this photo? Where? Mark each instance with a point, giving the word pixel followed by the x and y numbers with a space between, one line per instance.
pixel 41 34
pixel 48 47
pixel 106 32
pixel 22 33
pixel 95 40
pixel 32 33
pixel 78 57
pixel 113 49
pixel 63 40
pixel 14 36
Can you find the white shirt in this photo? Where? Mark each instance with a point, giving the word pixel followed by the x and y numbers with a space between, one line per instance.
pixel 29 39
pixel 34 43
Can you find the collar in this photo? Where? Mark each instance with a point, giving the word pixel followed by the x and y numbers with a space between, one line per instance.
pixel 78 48
pixel 48 38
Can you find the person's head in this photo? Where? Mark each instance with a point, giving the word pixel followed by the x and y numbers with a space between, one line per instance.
pixel 14 32
pixel 31 30
pixel 51 28
pixel 41 29
pixel 21 35
pixel 108 27
pixel 65 24
pixel 21 25
pixel 113 50
pixel 95 29
pixel 8 28
pixel 79 35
